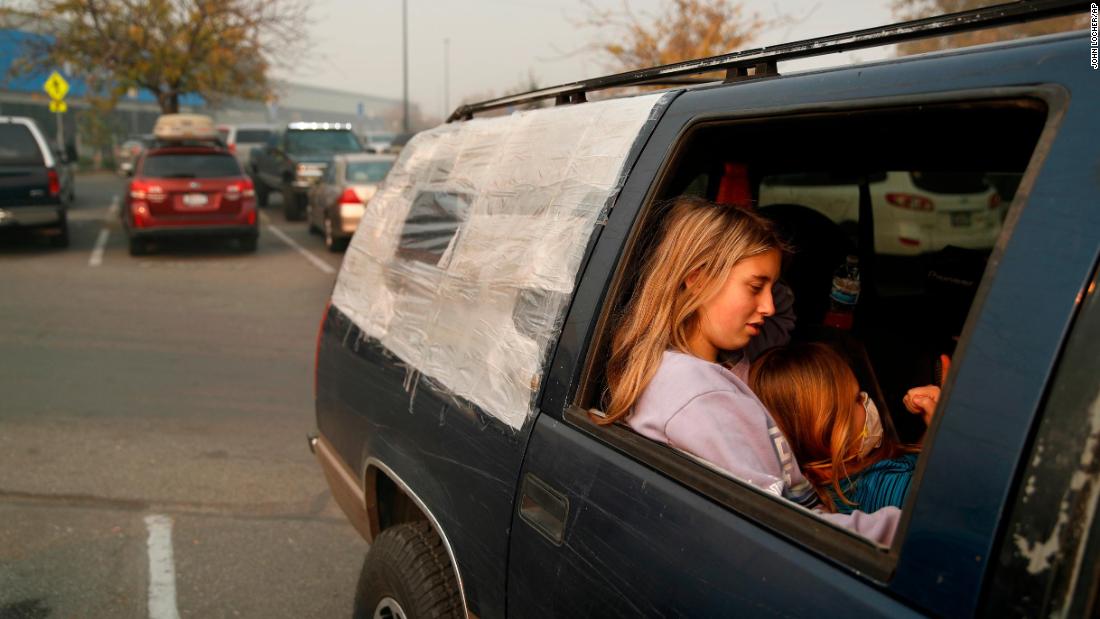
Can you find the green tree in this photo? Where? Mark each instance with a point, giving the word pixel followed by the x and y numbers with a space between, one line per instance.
pixel 916 9
pixel 211 48
pixel 679 30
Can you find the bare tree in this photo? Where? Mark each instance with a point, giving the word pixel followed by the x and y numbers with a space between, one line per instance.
pixel 916 9
pixel 679 30
pixel 211 48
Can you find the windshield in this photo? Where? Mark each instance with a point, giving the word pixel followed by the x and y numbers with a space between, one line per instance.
pixel 368 171
pixel 314 142
pixel 17 146
pixel 171 165
pixel 258 136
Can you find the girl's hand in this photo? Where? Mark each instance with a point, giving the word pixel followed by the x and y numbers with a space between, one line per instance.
pixel 922 401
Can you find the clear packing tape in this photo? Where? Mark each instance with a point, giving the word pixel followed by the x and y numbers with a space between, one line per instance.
pixel 466 258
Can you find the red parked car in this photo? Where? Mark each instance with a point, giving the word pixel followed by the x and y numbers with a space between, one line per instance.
pixel 187 184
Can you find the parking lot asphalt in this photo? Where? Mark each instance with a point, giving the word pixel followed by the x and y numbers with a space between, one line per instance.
pixel 174 388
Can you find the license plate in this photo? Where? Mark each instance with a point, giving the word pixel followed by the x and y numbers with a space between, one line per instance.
pixel 194 199
pixel 960 219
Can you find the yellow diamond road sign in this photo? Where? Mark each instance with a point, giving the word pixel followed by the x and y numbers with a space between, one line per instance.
pixel 58 106
pixel 56 86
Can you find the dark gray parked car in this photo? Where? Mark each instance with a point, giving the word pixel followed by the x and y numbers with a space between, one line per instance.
pixel 36 181
pixel 294 158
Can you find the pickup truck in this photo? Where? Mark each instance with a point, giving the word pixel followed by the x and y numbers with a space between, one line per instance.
pixel 294 158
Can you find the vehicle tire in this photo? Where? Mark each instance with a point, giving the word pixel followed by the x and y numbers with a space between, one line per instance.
pixel 407 574
pixel 313 229
pixel 248 243
pixel 292 206
pixel 332 243
pixel 138 247
pixel 262 192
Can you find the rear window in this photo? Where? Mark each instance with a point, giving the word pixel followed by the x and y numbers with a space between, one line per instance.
pixel 431 225
pixel 320 142
pixel 258 136
pixel 18 146
pixel 368 171
pixel 175 165
pixel 950 182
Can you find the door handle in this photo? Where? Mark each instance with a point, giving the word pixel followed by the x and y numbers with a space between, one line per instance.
pixel 544 508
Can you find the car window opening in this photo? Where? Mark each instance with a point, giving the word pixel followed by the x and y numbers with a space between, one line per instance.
pixel 913 198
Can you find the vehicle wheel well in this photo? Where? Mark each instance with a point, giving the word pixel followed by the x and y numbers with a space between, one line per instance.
pixel 389 505
pixel 394 506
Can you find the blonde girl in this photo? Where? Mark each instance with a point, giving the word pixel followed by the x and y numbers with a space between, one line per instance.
pixel 681 350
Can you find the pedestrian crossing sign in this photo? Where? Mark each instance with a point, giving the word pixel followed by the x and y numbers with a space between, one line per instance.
pixel 56 86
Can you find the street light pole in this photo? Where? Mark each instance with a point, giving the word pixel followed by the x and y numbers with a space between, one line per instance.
pixel 446 77
pixel 405 63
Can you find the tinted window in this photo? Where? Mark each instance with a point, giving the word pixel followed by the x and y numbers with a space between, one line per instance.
pixel 432 222
pixel 950 182
pixel 258 136
pixel 18 147
pixel 368 171
pixel 380 137
pixel 190 166
pixel 322 142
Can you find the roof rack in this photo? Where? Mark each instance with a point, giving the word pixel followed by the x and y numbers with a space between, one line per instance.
pixel 763 60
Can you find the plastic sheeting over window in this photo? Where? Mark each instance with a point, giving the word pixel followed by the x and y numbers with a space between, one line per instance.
pixel 465 260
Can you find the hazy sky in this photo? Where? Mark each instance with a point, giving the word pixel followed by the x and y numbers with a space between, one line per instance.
pixel 495 44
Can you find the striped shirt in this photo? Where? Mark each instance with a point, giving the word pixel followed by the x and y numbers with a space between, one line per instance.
pixel 882 484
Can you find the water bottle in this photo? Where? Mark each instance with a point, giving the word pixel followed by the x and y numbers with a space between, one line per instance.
pixel 844 295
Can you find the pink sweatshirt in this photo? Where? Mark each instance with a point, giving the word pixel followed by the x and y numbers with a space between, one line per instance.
pixel 706 411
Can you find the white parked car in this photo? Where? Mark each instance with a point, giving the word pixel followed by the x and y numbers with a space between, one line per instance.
pixel 914 212
pixel 241 139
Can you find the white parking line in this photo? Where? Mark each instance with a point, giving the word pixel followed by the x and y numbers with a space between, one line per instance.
pixel 97 252
pixel 317 262
pixel 162 568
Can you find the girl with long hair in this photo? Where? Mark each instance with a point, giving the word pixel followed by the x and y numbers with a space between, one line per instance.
pixel 681 350
pixel 834 428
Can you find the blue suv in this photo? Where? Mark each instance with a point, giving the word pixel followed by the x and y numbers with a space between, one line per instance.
pixel 461 359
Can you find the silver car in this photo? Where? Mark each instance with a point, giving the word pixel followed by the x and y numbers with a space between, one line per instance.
pixel 337 201
pixel 241 139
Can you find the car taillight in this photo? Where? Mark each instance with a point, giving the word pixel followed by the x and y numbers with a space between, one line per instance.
pixel 909 201
pixel 350 197
pixel 138 189
pixel 994 201
pixel 236 190
pixel 54 182
pixel 233 148
pixel 317 352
